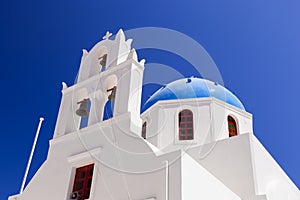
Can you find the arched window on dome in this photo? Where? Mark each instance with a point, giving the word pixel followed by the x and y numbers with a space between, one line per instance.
pixel 232 127
pixel 185 125
pixel 144 128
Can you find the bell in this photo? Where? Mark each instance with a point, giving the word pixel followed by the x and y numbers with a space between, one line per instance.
pixel 83 108
pixel 103 60
pixel 112 95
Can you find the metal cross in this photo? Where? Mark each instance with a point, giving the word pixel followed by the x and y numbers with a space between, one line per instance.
pixel 107 35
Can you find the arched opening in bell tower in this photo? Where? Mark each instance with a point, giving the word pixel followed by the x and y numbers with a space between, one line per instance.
pixel 83 112
pixel 110 86
pixel 108 110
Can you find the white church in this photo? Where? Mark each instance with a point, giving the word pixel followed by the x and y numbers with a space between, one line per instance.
pixel 192 140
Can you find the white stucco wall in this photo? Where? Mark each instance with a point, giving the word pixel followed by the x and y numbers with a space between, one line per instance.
pixel 270 179
pixel 229 160
pixel 162 122
pixel 209 120
pixel 244 166
pixel 125 166
pixel 197 183
pixel 220 112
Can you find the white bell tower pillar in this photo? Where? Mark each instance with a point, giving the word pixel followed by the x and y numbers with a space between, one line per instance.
pixel 129 86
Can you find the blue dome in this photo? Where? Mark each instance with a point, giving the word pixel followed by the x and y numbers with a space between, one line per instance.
pixel 193 88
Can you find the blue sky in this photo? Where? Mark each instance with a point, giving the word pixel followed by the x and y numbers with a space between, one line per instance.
pixel 255 45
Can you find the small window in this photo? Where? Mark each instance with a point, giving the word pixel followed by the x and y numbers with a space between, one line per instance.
pixel 185 124
pixel 83 181
pixel 144 128
pixel 232 128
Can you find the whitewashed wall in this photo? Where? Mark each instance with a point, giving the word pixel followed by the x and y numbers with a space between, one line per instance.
pixel 210 122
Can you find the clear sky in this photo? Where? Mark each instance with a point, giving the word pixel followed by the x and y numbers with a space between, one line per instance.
pixel 255 44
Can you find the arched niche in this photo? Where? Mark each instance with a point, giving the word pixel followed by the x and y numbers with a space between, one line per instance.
pixel 98 62
pixel 109 88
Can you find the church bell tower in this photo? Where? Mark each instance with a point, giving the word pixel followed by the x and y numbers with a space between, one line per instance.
pixel 108 87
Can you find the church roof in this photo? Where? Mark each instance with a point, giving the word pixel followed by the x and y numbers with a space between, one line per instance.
pixel 193 88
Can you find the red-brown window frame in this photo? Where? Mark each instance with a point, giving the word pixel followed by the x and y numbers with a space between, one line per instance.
pixel 83 178
pixel 232 126
pixel 185 125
